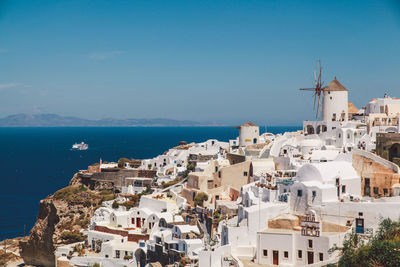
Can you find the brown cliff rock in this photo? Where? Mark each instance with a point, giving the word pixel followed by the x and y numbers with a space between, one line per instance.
pixel 61 217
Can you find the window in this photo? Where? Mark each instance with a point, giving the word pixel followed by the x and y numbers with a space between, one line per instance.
pixel 310 243
pixel 340 136
pixel 286 254
pixel 299 254
pixel 244 173
pixel 343 189
pixel 376 190
pixel 219 174
pixel 299 193
pixel 321 256
pixel 265 252
pixel 117 254
pixel 314 193
pixel 216 168
pixel 331 98
pixel 385 191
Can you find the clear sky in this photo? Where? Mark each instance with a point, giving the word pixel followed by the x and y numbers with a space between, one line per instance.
pixel 227 61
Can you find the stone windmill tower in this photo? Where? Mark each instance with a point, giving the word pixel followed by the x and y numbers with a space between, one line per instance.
pixel 335 98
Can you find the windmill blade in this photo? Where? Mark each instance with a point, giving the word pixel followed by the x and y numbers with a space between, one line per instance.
pixel 318 107
pixel 315 96
pixel 315 77
pixel 307 89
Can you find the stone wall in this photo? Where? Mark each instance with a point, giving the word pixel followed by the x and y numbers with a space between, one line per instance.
pixel 115 178
pixel 193 158
pixel 235 158
pixel 388 146
pixel 377 179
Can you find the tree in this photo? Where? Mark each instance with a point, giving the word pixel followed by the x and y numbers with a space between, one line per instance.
pixel 190 167
pixel 383 249
pixel 122 161
pixel 115 205
pixel 200 198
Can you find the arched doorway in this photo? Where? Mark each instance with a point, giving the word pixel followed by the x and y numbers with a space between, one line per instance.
pixel 394 152
pixel 140 257
pixel 310 129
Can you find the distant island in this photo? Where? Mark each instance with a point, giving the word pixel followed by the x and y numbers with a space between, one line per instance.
pixel 54 120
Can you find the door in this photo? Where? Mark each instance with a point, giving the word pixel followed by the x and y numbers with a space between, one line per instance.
pixel 359 226
pixel 310 257
pixel 138 222
pixel 275 257
pixel 367 189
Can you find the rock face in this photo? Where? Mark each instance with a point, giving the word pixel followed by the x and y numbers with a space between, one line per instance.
pixel 61 217
pixel 39 249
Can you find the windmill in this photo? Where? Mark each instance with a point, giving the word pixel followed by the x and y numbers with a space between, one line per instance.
pixel 318 87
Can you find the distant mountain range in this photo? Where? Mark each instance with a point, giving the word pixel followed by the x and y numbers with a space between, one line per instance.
pixel 53 120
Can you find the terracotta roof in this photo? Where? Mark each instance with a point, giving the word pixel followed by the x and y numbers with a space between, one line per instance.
pixel 334 85
pixel 352 109
pixel 249 123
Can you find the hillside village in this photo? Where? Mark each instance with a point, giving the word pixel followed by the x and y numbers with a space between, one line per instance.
pixel 260 199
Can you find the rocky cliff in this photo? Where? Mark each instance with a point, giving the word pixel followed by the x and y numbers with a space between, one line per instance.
pixel 61 217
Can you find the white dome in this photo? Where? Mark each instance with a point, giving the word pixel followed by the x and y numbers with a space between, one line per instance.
pixel 326 172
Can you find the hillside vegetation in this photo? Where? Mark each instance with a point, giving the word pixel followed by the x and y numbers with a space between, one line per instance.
pixel 383 249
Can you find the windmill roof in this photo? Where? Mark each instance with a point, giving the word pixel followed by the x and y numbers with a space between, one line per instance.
pixel 352 109
pixel 334 85
pixel 249 123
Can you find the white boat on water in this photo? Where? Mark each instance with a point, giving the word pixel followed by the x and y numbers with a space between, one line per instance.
pixel 80 146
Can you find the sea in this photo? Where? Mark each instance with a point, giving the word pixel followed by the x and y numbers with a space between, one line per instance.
pixel 36 162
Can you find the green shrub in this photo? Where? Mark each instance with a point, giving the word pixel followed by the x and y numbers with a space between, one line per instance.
pixel 127 257
pixel 190 167
pixel 168 184
pixel 383 249
pixel 106 192
pixel 122 161
pixel 115 205
pixel 69 193
pixel 128 204
pixel 107 197
pixel 83 223
pixel 72 237
pixel 200 198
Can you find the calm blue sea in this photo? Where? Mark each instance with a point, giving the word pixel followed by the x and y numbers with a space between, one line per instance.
pixel 36 162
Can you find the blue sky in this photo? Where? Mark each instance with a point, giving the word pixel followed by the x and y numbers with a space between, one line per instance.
pixel 227 61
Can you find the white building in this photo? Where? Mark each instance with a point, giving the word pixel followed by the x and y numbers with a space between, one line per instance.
pixel 248 134
pixel 292 245
pixel 335 102
pixel 323 182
